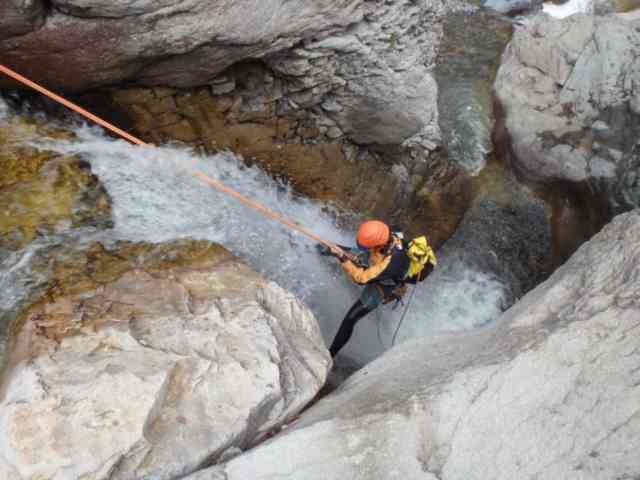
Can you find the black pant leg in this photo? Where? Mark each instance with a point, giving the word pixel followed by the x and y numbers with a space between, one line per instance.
pixel 355 313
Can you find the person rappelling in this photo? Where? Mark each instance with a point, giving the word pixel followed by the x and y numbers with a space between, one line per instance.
pixel 390 265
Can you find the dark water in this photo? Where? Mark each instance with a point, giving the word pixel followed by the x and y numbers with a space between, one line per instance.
pixel 466 69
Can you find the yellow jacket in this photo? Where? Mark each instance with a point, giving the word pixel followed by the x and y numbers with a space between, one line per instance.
pixel 378 263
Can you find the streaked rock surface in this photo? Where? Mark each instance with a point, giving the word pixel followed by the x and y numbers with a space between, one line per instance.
pixel 552 391
pixel 151 361
pixel 182 43
pixel 571 94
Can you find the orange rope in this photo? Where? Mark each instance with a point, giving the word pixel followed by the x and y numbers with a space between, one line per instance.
pixel 70 105
pixel 201 175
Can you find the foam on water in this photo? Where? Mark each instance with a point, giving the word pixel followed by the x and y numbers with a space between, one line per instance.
pixel 570 8
pixel 156 198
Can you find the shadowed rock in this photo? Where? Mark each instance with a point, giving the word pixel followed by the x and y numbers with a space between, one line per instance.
pixel 168 42
pixel 18 17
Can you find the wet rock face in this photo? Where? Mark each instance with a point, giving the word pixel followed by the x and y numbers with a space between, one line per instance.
pixel 336 96
pixel 41 192
pixel 256 121
pixel 552 391
pixel 572 105
pixel 469 57
pixel 150 361
pixel 627 189
pixel 604 7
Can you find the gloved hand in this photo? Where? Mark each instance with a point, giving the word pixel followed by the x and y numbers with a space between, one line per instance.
pixel 323 249
pixel 339 254
pixel 332 252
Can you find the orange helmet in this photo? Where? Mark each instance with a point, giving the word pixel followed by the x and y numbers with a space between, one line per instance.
pixel 373 233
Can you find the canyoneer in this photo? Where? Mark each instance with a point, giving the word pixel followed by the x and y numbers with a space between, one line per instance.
pixel 390 264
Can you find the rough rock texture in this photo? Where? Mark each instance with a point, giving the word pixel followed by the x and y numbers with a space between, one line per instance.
pixel 603 7
pixel 626 191
pixel 342 87
pixel 151 361
pixel 571 93
pixel 173 42
pixel 292 145
pixel 43 193
pixel 336 96
pixel 18 17
pixel 553 391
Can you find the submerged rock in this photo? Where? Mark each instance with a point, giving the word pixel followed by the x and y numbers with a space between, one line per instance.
pixel 336 96
pixel 151 361
pixel 552 391
pixel 42 192
pixel 572 101
pixel 429 193
pixel 467 63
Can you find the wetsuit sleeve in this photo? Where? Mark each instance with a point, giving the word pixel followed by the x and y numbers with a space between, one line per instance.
pixel 365 275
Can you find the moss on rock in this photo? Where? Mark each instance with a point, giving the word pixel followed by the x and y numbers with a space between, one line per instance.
pixel 42 192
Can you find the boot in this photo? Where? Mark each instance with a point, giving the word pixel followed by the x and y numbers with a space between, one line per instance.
pixel 355 313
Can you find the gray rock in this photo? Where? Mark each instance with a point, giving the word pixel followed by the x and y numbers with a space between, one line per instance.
pixel 223 88
pixel 605 7
pixel 389 109
pixel 114 9
pixel 179 43
pixel 18 17
pixel 570 89
pixel 371 59
pixel 469 57
pixel 334 132
pixel 626 191
pixel 552 391
pixel 383 91
pixel 157 369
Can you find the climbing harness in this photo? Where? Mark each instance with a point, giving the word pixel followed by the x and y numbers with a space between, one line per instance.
pixel 420 253
pixel 200 175
pixel 418 250
pixel 404 313
pixel 399 302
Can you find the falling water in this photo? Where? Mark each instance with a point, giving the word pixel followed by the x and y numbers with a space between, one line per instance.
pixel 466 68
pixel 157 198
pixel 568 8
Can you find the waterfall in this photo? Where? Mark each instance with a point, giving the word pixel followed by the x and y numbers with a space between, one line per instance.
pixel 156 198
pixel 569 8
